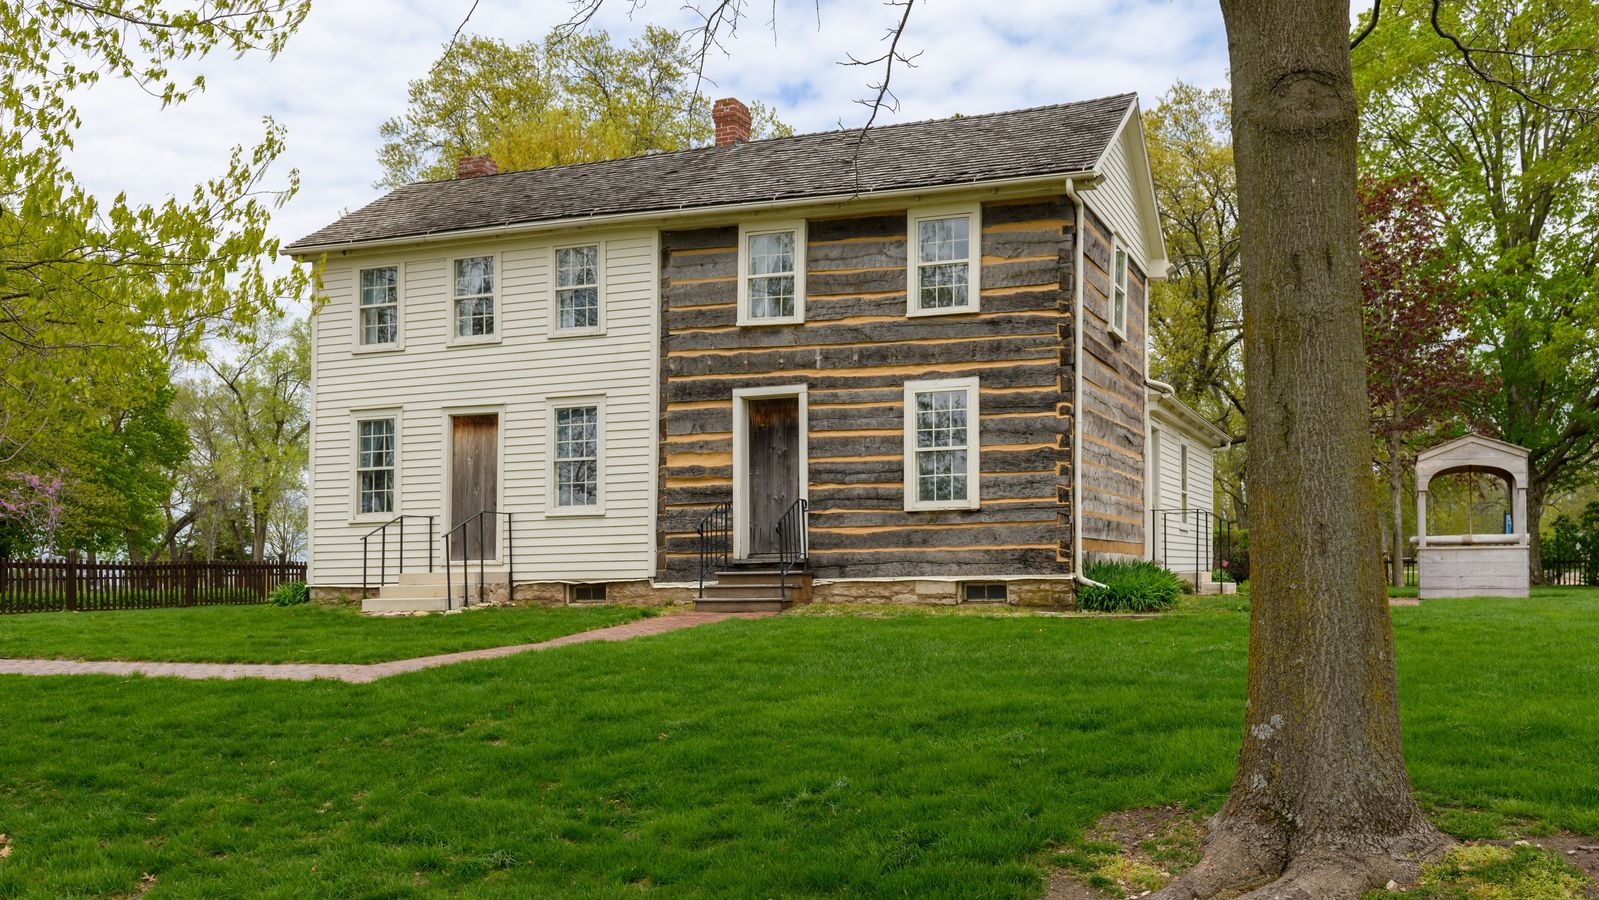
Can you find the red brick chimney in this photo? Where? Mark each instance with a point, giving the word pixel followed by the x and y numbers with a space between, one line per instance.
pixel 732 120
pixel 473 166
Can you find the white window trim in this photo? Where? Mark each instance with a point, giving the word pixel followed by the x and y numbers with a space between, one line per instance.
pixel 973 444
pixel 1182 474
pixel 749 230
pixel 358 416
pixel 399 309
pixel 552 493
pixel 1119 328
pixel 974 261
pixel 556 331
pixel 498 295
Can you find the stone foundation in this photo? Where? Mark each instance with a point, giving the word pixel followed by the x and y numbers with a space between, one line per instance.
pixel 336 596
pixel 1031 592
pixel 618 593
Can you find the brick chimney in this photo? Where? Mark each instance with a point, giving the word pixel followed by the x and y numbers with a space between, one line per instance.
pixel 732 120
pixel 473 166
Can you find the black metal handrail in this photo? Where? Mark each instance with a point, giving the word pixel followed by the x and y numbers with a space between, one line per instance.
pixel 1213 539
pixel 510 559
pixel 382 531
pixel 715 540
pixel 793 543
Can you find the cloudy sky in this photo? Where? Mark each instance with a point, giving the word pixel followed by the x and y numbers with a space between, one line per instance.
pixel 346 70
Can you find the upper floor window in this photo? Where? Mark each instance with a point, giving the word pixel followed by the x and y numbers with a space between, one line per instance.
pixel 577 289
pixel 771 265
pixel 941 444
pixel 944 260
pixel 577 456
pixel 374 465
pixel 474 297
pixel 380 307
pixel 1118 291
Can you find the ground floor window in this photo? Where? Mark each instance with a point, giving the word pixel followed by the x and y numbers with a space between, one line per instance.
pixel 575 429
pixel 374 465
pixel 941 444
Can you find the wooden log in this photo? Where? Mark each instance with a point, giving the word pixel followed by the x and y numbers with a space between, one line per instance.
pixel 721 236
pixel 873 226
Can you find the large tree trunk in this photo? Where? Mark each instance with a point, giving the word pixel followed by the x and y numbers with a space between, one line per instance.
pixel 1321 805
pixel 1537 490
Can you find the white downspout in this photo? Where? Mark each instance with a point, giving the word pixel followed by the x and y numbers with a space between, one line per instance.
pixel 1078 227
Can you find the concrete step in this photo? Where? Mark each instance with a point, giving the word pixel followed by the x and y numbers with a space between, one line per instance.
pixel 377 604
pixel 491 575
pixel 712 604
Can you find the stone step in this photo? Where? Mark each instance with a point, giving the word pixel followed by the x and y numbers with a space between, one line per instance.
pixel 491 575
pixel 731 605
pixel 382 604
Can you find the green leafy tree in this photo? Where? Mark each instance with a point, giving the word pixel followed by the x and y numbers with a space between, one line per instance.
pixel 99 297
pixel 1516 161
pixel 571 98
pixel 1196 314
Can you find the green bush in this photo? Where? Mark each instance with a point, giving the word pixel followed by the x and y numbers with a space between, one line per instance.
pixel 293 593
pixel 1130 587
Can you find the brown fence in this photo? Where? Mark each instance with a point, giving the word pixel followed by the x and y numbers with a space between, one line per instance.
pixel 35 585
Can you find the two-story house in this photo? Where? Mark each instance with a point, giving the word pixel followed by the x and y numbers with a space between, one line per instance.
pixel 904 365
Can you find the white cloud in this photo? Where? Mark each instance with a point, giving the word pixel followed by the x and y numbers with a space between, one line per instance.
pixel 347 68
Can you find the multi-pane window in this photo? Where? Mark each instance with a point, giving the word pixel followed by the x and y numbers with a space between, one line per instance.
pixel 577 456
pixel 941 444
pixel 474 297
pixel 771 275
pixel 588 593
pixel 380 306
pixel 577 288
pixel 374 465
pixel 1118 303
pixel 980 592
pixel 943 270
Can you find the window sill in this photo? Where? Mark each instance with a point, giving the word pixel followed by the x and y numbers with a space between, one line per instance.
pixel 475 341
pixel 575 512
pixel 1119 334
pixel 966 310
pixel 758 323
pixel 564 333
pixel 365 349
pixel 962 506
pixel 371 518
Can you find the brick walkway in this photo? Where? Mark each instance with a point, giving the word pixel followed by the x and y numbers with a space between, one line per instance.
pixel 356 673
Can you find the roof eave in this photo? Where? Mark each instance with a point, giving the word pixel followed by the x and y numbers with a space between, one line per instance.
pixel 301 251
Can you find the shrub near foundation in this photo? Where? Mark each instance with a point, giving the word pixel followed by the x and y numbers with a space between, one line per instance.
pixel 1130 587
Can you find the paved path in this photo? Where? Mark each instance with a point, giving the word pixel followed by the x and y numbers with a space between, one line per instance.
pixel 356 673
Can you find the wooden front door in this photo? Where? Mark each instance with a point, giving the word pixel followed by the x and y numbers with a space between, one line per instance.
pixel 474 483
pixel 773 466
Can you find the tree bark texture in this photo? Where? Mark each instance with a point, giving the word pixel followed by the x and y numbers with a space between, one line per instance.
pixel 1321 804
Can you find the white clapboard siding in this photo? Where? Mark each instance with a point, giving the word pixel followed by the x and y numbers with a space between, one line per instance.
pixel 1115 198
pixel 429 380
pixel 1177 538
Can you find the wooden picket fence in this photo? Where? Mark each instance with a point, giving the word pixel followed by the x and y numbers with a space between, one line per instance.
pixel 71 584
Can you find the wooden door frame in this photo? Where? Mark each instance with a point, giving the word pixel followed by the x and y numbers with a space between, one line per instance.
pixel 741 445
pixel 447 477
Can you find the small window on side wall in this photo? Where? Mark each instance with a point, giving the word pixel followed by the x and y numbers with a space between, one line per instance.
pixel 577 290
pixel 379 303
pixel 771 279
pixel 1118 291
pixel 586 593
pixel 945 260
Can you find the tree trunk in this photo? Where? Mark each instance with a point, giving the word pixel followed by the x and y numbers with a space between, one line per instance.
pixel 1321 804
pixel 1537 490
pixel 1396 491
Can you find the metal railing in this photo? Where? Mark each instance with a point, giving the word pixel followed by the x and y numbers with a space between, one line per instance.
pixel 1212 536
pixel 715 541
pixel 793 543
pixel 465 529
pixel 382 531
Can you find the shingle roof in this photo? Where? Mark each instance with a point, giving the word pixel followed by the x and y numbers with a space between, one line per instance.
pixel 1044 140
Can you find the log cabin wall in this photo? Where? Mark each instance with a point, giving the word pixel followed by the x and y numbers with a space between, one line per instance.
pixel 854 353
pixel 1113 406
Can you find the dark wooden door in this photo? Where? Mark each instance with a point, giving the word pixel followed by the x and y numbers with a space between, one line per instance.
pixel 474 483
pixel 774 476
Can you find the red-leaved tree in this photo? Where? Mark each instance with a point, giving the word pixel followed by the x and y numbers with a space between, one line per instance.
pixel 1421 372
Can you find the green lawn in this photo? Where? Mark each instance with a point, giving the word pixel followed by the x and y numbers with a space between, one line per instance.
pixel 919 755
pixel 306 633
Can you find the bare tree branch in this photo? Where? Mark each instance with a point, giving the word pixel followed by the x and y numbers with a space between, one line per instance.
pixel 1376 13
pixel 1466 56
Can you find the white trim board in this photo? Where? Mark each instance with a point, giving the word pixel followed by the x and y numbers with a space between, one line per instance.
pixel 741 445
